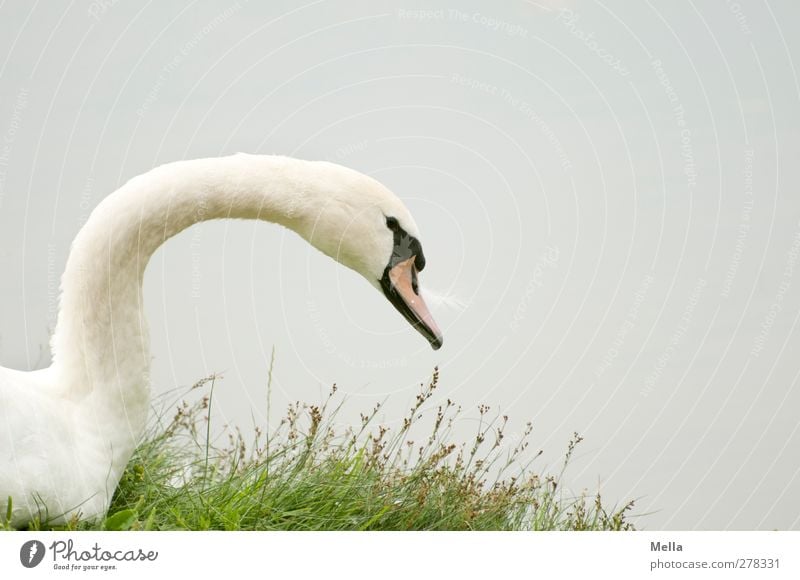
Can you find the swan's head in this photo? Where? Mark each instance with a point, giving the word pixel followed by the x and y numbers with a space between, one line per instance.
pixel 365 227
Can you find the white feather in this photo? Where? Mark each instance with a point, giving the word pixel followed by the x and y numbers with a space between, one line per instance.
pixel 445 300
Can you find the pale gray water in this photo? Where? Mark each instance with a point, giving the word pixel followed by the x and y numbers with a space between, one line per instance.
pixel 613 189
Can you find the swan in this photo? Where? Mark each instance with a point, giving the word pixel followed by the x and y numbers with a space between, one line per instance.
pixel 68 431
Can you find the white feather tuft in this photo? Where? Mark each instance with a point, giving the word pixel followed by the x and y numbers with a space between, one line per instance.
pixel 436 299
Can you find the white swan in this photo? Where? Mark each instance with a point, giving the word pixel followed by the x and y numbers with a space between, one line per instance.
pixel 68 431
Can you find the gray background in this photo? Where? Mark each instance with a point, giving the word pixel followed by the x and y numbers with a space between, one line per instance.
pixel 607 193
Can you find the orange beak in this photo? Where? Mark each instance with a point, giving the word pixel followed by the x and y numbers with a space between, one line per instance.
pixel 400 287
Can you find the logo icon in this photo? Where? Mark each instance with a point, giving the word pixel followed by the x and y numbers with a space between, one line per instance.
pixel 31 553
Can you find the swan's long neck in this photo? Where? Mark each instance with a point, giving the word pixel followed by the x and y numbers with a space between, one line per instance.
pixel 100 346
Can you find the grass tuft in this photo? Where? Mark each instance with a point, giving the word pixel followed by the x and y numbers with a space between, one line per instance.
pixel 310 474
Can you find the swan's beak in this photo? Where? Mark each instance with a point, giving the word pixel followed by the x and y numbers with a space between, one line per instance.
pixel 399 283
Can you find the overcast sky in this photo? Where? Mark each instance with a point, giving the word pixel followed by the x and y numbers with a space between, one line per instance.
pixel 609 190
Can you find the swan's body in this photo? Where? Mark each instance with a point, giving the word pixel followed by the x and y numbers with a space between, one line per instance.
pixel 68 431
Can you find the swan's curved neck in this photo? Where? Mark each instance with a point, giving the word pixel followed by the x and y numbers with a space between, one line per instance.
pixel 100 345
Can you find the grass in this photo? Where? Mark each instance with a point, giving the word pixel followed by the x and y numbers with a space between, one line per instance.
pixel 309 474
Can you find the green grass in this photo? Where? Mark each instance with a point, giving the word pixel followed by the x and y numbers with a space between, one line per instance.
pixel 309 474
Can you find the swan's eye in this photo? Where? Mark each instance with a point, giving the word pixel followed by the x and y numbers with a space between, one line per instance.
pixel 392 224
